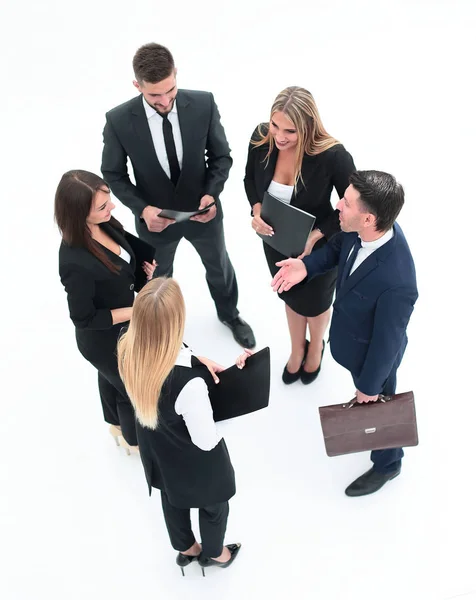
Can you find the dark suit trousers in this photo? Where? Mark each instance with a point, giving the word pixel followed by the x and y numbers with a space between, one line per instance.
pixel 208 239
pixel 212 521
pixel 116 405
pixel 108 394
pixel 390 460
pixel 117 409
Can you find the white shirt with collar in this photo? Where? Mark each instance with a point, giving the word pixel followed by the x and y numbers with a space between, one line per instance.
pixel 193 403
pixel 368 248
pixel 155 125
pixel 124 254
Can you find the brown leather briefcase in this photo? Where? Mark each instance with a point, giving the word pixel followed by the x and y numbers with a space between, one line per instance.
pixel 389 422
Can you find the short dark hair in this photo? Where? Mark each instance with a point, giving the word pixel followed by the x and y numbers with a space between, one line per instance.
pixel 380 194
pixel 153 63
pixel 73 201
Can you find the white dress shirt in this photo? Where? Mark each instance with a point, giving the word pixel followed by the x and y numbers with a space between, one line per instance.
pixel 368 248
pixel 155 125
pixel 193 403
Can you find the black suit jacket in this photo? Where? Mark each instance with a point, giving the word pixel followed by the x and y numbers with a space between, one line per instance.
pixel 321 173
pixel 206 155
pixel 93 291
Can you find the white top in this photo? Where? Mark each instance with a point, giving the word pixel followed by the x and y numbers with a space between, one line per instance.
pixel 193 403
pixel 124 254
pixel 155 125
pixel 368 248
pixel 281 191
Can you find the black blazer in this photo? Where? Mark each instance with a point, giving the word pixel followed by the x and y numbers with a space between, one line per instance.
pixel 321 173
pixel 93 290
pixel 206 155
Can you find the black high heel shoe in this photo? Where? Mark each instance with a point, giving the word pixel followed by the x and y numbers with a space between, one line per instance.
pixel 308 378
pixel 183 560
pixel 204 561
pixel 292 377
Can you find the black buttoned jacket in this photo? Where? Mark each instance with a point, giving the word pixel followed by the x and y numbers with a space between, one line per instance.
pixel 93 291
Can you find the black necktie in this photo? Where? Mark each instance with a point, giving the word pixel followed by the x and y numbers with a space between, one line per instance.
pixel 351 260
pixel 170 149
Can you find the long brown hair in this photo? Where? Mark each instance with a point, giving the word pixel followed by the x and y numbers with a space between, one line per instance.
pixel 299 107
pixel 73 201
pixel 147 351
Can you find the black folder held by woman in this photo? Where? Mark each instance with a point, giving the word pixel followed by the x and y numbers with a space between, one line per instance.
pixel 291 226
pixel 143 252
pixel 242 391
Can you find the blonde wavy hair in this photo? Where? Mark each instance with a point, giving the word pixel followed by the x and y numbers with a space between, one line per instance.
pixel 299 107
pixel 149 348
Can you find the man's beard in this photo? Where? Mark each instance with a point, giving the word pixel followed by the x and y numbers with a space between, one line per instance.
pixel 161 110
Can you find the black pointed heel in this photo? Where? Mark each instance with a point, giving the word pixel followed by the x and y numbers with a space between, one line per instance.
pixel 308 378
pixel 205 562
pixel 184 560
pixel 292 377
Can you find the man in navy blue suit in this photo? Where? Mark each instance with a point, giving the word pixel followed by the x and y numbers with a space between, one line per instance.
pixel 375 295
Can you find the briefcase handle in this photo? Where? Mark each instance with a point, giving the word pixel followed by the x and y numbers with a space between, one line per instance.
pixel 381 398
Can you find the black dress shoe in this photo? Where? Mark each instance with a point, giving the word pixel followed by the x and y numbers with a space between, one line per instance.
pixel 204 561
pixel 242 332
pixel 307 377
pixel 183 560
pixel 369 482
pixel 292 377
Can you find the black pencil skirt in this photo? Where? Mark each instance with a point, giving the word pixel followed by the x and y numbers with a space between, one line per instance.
pixel 312 298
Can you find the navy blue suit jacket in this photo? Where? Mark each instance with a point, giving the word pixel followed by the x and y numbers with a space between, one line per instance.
pixel 371 309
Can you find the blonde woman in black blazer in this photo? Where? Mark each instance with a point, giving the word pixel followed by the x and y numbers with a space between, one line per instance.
pixel 100 272
pixel 295 159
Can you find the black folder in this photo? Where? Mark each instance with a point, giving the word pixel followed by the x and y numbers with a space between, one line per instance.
pixel 291 226
pixel 180 216
pixel 242 391
pixel 143 252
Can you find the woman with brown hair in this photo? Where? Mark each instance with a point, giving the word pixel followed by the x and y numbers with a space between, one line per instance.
pixel 181 449
pixel 100 271
pixel 294 159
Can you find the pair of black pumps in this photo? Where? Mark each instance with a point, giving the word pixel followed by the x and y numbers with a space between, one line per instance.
pixel 204 561
pixel 305 376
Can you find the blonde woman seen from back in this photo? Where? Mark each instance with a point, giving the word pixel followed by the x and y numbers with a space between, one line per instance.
pixel 182 452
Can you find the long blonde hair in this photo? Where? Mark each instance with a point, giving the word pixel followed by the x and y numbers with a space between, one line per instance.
pixel 299 107
pixel 148 350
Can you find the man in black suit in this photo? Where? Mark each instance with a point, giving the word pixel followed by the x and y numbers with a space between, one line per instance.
pixel 181 160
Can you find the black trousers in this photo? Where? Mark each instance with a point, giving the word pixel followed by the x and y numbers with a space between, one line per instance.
pixel 208 239
pixel 212 521
pixel 117 409
pixel 100 351
pixel 389 460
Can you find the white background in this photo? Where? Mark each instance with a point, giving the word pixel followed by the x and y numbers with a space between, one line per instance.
pixel 394 82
